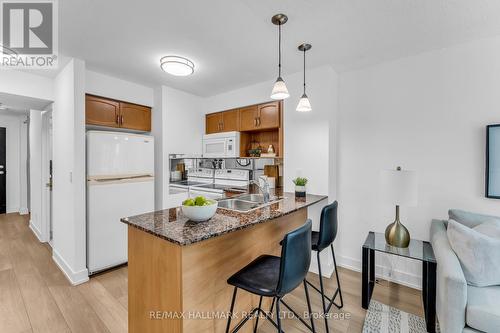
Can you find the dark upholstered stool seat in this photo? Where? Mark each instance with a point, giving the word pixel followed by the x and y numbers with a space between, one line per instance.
pixel 315 240
pixel 259 277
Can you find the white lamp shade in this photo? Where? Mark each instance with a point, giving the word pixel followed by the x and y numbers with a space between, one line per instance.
pixel 279 90
pixel 304 104
pixel 399 187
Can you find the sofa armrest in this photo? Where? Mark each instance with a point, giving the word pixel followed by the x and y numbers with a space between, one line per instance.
pixel 451 298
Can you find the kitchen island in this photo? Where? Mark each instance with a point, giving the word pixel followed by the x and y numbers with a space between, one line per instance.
pixel 177 269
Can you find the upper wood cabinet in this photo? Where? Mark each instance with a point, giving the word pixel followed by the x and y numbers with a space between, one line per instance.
pixel 102 111
pixel 260 117
pixel 269 115
pixel 136 117
pixel 226 121
pixel 212 123
pixel 230 121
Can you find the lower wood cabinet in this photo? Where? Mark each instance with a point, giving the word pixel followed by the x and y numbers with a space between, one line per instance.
pixel 101 111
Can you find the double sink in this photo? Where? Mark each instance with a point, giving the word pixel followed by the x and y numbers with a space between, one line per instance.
pixel 247 202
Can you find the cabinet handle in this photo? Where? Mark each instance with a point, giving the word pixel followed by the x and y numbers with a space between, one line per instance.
pixel 258 121
pixel 121 120
pixel 222 126
pixel 255 122
pixel 117 119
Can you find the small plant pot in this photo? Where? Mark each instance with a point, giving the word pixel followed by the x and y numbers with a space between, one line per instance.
pixel 300 191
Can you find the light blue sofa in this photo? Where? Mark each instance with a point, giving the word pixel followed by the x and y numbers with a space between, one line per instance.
pixel 460 307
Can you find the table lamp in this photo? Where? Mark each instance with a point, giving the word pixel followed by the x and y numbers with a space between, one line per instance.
pixel 399 188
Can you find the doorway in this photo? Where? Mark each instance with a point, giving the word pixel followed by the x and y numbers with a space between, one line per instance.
pixel 46 159
pixel 3 171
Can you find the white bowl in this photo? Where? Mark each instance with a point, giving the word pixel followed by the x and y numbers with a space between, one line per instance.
pixel 200 213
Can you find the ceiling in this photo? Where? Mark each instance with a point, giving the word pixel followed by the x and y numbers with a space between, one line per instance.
pixel 21 104
pixel 233 42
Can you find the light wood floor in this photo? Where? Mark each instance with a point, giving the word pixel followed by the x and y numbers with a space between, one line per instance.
pixel 36 297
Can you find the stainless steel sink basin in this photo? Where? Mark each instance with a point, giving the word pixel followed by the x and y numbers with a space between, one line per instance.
pixel 257 198
pixel 247 202
pixel 238 205
pixel 252 197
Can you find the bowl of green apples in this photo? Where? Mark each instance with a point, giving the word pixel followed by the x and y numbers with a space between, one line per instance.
pixel 199 209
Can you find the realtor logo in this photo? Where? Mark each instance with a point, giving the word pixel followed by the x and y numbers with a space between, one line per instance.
pixel 29 38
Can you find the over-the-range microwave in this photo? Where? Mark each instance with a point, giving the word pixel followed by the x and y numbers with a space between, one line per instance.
pixel 225 144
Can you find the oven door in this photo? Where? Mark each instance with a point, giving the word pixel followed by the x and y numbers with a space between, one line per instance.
pixel 215 147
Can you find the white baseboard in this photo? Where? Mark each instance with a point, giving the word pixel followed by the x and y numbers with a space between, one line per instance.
pixel 23 211
pixel 36 231
pixel 74 278
pixel 400 277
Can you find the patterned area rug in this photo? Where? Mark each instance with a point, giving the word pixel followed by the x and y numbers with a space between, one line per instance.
pixel 381 318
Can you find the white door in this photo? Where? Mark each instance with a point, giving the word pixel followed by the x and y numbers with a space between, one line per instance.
pixel 107 203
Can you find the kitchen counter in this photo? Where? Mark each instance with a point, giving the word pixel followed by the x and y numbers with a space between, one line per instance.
pixel 178 269
pixel 173 226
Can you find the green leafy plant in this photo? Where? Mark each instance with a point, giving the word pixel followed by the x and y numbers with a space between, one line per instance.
pixel 300 181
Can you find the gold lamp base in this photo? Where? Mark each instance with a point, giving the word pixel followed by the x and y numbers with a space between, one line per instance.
pixel 396 233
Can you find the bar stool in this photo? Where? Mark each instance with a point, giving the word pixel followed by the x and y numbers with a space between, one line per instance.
pixel 320 241
pixel 271 276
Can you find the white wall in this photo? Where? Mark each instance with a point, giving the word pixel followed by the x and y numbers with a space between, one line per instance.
pixel 35 142
pixel 23 171
pixel 426 113
pixel 309 147
pixel 69 204
pixel 15 151
pixel 111 87
pixel 178 127
pixel 26 84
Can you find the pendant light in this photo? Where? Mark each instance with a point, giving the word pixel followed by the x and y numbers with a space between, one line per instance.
pixel 279 90
pixel 304 104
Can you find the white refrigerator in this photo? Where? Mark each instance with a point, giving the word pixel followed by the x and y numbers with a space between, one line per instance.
pixel 120 183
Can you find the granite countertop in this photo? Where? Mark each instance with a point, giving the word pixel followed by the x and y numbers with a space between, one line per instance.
pixel 173 226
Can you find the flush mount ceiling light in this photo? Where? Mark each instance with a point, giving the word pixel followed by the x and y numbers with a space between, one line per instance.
pixel 178 66
pixel 304 104
pixel 279 90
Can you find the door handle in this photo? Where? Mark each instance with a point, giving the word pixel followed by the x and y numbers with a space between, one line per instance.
pixel 1 172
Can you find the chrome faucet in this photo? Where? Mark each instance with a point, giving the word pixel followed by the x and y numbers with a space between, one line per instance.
pixel 263 189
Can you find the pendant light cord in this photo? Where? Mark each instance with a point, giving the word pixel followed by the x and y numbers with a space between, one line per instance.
pixel 279 50
pixel 304 71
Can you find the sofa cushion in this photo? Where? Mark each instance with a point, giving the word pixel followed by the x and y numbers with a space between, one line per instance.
pixel 479 254
pixel 470 219
pixel 489 228
pixel 483 308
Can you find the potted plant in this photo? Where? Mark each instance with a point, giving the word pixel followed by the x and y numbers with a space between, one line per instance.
pixel 300 186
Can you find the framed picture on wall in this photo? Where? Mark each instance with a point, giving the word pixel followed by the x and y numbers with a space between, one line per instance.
pixel 493 161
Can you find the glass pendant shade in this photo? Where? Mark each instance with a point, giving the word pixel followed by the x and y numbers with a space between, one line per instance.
pixel 279 90
pixel 304 104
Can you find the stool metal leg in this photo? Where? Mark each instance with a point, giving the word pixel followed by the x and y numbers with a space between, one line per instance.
pixel 309 307
pixel 258 315
pixel 322 293
pixel 231 311
pixel 278 318
pixel 339 290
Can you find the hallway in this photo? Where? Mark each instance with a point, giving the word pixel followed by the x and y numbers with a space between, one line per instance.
pixel 36 296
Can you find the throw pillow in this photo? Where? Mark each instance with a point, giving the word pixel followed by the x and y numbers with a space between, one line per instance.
pixel 478 254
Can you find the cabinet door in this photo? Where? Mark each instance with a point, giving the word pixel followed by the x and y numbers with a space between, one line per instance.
pixel 136 117
pixel 101 112
pixel 248 118
pixel 269 115
pixel 213 123
pixel 230 121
